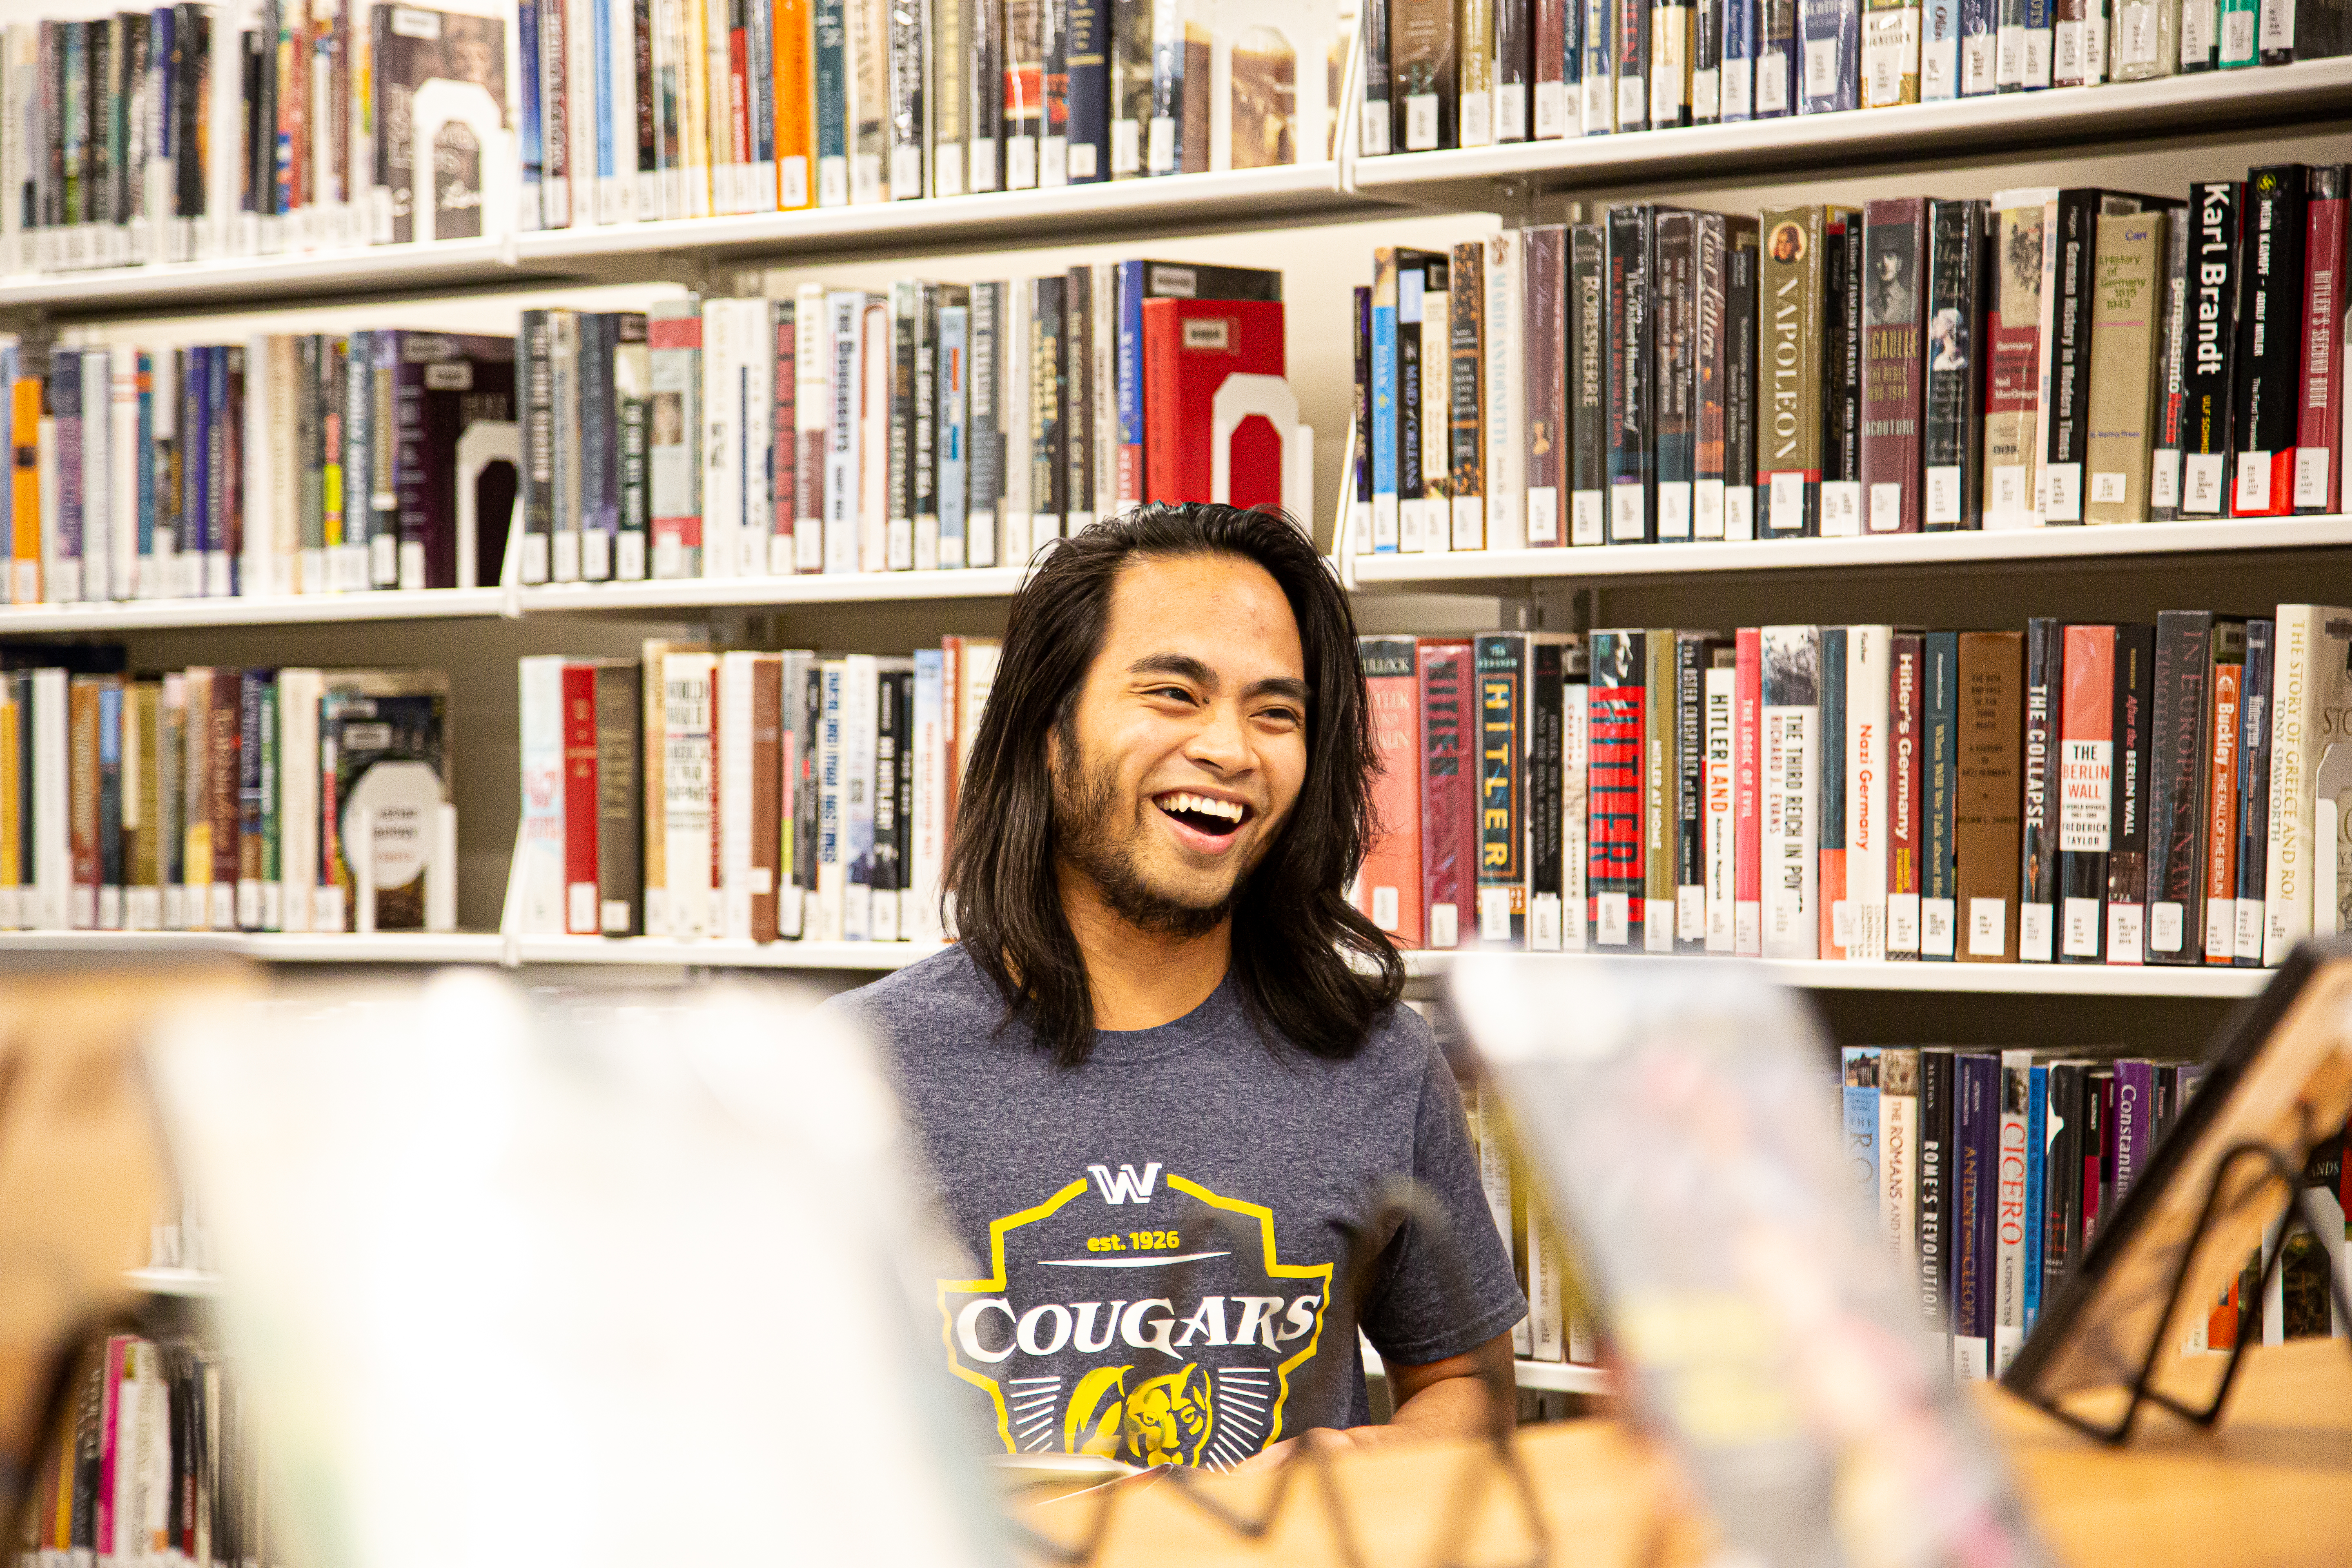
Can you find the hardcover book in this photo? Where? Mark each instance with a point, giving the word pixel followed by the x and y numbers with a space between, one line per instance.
pixel 2085 793
pixel 2179 739
pixel 2320 419
pixel 1632 393
pixel 1546 395
pixel 1740 400
pixel 1676 420
pixel 2211 346
pixel 1790 762
pixel 1449 823
pixel 2254 790
pixel 1615 884
pixel 1985 808
pixel 1841 270
pixel 2267 372
pixel 2038 869
pixel 2220 803
pixel 2012 430
pixel 1893 394
pixel 1952 442
pixel 2125 308
pixel 1588 384
pixel 1789 328
pixel 2126 890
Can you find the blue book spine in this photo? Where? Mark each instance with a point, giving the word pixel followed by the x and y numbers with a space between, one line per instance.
pixel 1384 423
pixel 2037 1162
pixel 1777 49
pixel 1861 1073
pixel 1939 50
pixel 142 465
pixel 192 471
pixel 954 437
pixel 601 41
pixel 2038 36
pixel 1979 46
pixel 1739 61
pixel 1832 54
pixel 220 562
pixel 528 133
pixel 1598 81
pixel 1939 903
pixel 1090 51
pixel 832 101
pixel 1127 371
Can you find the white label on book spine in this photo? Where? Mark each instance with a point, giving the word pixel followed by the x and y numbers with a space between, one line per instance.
pixel 1690 914
pixel 1444 925
pixel 1739 511
pixel 1943 497
pixel 2247 943
pixel 1372 137
pixel 1596 105
pixel 1493 914
pixel 1021 161
pixel 2202 477
pixel 2123 933
pixel 2254 482
pixel 1478 119
pixel 2165 925
pixel 1841 922
pixel 2033 932
pixel 1543 514
pixel 2238 38
pixel 2277 24
pixel 1384 523
pixel 2311 477
pixel 2221 926
pixel 2064 502
pixel 1707 508
pixel 1772 82
pixel 1585 517
pixel 2069 64
pixel 1551 111
pixel 1841 509
pixel 1988 928
pixel 1787 506
pixel 1419 123
pixel 1469 522
pixel 1632 107
pixel 1673 510
pixel 2007 508
pixel 2081 938
pixel 1748 928
pixel 1936 917
pixel 1384 907
pixel 1977 74
pixel 1658 925
pixel 1613 915
pixel 1510 111
pixel 1544 922
pixel 1738 88
pixel 2109 489
pixel 2136 35
pixel 1820 66
pixel 2037 58
pixel 1627 521
pixel 1707 97
pixel 1887 508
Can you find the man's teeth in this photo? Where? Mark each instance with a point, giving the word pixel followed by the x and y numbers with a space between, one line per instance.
pixel 1229 810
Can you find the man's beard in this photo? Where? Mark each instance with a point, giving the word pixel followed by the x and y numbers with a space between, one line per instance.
pixel 1088 833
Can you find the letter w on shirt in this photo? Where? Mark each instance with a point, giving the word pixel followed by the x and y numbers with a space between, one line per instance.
pixel 1126 1185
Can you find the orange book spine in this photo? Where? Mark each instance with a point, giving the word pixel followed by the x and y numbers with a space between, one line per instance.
pixel 795 100
pixel 25 446
pixel 2221 821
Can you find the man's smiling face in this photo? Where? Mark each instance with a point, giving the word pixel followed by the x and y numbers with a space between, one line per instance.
pixel 1187 745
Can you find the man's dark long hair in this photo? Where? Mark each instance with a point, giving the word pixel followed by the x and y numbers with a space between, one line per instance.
pixel 1294 930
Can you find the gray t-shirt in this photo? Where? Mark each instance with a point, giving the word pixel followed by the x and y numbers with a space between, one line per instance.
pixel 1161 1238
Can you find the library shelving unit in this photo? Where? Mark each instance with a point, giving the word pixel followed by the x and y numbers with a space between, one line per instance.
pixel 1318 222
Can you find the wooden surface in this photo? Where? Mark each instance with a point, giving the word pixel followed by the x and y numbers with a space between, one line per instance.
pixel 2272 1486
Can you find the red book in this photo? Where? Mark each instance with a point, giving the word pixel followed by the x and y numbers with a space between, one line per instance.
pixel 1190 347
pixel 1907 714
pixel 1747 794
pixel 1615 875
pixel 1893 398
pixel 1388 887
pixel 1449 815
pixel 2087 793
pixel 2319 424
pixel 579 802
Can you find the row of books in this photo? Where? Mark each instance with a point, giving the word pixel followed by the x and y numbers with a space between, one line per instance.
pixel 159 1460
pixel 224 799
pixel 931 426
pixel 1991 1171
pixel 2054 356
pixel 2079 794
pixel 749 797
pixel 285 463
pixel 258 127
pixel 1558 1326
pixel 1443 74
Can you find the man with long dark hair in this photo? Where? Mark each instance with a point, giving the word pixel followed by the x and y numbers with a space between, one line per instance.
pixel 1165 1079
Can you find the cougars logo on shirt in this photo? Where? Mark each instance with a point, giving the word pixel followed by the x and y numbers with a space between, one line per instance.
pixel 1137 1314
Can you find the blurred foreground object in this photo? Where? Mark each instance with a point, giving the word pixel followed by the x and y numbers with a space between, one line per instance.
pixel 520 1279
pixel 1673 1120
pixel 81 1177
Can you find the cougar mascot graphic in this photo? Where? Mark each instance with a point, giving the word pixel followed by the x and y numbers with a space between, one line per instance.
pixel 1166 1420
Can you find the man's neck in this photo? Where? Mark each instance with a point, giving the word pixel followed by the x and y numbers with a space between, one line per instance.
pixel 1140 979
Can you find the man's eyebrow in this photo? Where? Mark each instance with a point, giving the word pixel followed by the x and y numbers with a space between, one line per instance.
pixel 1183 665
pixel 1287 686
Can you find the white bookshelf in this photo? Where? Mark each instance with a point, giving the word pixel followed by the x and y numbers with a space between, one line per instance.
pixel 877 956
pixel 1561 1376
pixel 1929 978
pixel 192 1283
pixel 802 588
pixel 1876 553
pixel 258 610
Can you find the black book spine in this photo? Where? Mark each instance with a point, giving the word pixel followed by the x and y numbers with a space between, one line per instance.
pixel 1089 46
pixel 923 480
pixel 99 95
pixel 2176 817
pixel 2062 1179
pixel 888 742
pixel 2127 839
pixel 1740 410
pixel 2066 423
pixel 1373 138
pixel 901 481
pixel 1842 375
pixel 1514 56
pixel 2207 384
pixel 192 46
pixel 2171 392
pixel 2267 392
pixel 1954 434
pixel 2095 1153
pixel 1411 310
pixel 1358 478
pixel 1674 301
pixel 1541 786
pixel 1633 359
pixel 535 375
pixel 1633 64
pixel 1081 318
pixel 2037 885
pixel 1588 384
pixel 2255 789
pixel 1048 411
pixel 1693 656
pixel 1933 1200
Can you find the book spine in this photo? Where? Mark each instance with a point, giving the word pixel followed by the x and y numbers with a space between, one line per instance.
pixel 1747 795
pixel 1830 36
pixel 2253 791
pixel 1048 421
pixel 2066 394
pixel 812 410
pixel 1976 1140
pixel 2170 419
pixel 2134 652
pixel 1501 669
pixel 673 457
pixel 1615 881
pixel 2320 418
pixel 1791 658
pixel 1741 385
pixel 1841 267
pixel 1674 436
pixel 1906 715
pixel 1719 800
pixel 1467 454
pixel 910 139
pixel 1894 364
pixel 1673 26
pixel 1588 383
pixel 2121 366
pixel 1693 658
pixel 2011 1181
pixel 1388 887
pixel 1632 63
pixel 2220 803
pixel 1788 422
pixel 1661 828
pixel 2086 788
pixel 1890 54
pixel 619 772
pixel 1632 373
pixel 1448 821
pixel 582 914
pixel 1384 402
pixel 2268 372
pixel 2038 869
pixel 2176 786
pixel 1597 45
pixel 1081 319
pixel 951 377
pixel 1931 1204
pixel 2212 336
pixel 1858 1069
pixel 1546 393
pixel 2013 347
pixel 831 93
pixel 2059 1215
pixel 1834 914
pixel 1553 68
pixel 633 436
pixel 1505 397
pixel 1986 801
pixel 1712 374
